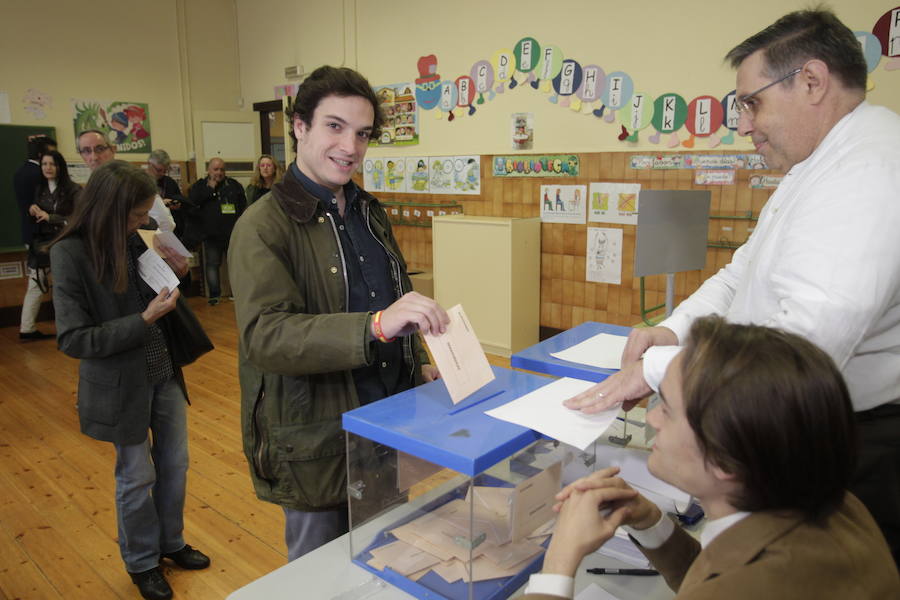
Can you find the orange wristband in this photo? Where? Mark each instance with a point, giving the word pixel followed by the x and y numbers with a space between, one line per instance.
pixel 376 325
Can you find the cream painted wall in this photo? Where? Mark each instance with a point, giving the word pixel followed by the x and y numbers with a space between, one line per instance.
pixel 665 47
pixel 122 50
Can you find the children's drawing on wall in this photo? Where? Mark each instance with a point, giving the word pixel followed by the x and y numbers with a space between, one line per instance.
pixel 401 121
pixel 604 255
pixel 36 103
pixel 394 174
pixel 441 170
pixel 125 124
pixel 373 175
pixel 522 131
pixel 614 203
pixel 417 169
pixel 563 203
pixel 467 175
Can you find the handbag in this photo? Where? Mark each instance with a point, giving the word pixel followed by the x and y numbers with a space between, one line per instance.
pixel 185 337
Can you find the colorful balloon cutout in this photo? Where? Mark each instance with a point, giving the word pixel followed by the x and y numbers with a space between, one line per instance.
pixel 465 88
pixel 615 95
pixel 504 66
pixel 482 74
pixel 669 115
pixel 593 82
pixel 730 116
pixel 428 83
pixel 871 47
pixel 449 96
pixel 527 53
pixel 568 80
pixel 636 116
pixel 704 118
pixel 887 30
pixel 548 67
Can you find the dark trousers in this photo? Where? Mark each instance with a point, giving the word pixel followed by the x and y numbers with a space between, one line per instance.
pixel 877 478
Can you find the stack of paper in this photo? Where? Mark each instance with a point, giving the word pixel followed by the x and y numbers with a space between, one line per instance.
pixel 543 411
pixel 603 351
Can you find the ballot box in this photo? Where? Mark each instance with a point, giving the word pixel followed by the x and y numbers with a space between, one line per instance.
pixel 445 501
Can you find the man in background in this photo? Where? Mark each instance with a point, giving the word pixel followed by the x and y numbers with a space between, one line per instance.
pixel 217 201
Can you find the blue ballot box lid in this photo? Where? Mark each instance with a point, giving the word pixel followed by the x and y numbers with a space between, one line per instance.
pixel 537 358
pixel 425 423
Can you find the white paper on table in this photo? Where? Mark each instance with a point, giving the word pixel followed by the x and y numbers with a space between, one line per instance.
pixel 595 592
pixel 163 238
pixel 156 272
pixel 543 411
pixel 602 350
pixel 459 357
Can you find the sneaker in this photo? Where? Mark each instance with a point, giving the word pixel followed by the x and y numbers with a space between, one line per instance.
pixel 152 584
pixel 34 335
pixel 213 301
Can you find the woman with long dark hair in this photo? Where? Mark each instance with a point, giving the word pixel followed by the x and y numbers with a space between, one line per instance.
pixel 128 384
pixel 54 200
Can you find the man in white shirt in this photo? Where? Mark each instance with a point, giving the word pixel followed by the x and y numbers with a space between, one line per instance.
pixel 757 424
pixel 824 259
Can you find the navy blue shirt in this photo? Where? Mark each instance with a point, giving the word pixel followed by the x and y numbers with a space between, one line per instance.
pixel 370 285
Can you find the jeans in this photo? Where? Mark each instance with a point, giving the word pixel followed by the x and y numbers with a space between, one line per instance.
pixel 306 531
pixel 213 253
pixel 150 483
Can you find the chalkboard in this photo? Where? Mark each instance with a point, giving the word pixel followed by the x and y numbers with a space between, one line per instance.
pixel 13 152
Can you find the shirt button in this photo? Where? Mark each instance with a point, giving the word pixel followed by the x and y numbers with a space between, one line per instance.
pixel 321 219
pixel 362 259
pixel 372 294
pixel 334 269
pixel 341 227
pixel 384 365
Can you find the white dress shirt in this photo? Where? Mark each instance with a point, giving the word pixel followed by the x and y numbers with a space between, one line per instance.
pixel 824 259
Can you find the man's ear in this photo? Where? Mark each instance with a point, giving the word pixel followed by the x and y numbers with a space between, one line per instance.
pixel 722 475
pixel 815 79
pixel 300 127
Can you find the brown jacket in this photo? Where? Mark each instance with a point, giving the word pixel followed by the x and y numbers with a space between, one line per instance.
pixel 768 557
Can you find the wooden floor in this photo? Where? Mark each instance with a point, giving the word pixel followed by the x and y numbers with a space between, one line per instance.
pixel 57 517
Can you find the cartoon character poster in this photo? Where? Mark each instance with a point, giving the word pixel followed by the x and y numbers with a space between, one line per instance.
pixel 522 131
pixel 614 203
pixel 125 124
pixel 466 175
pixel 417 174
pixel 563 203
pixel 401 115
pixel 440 174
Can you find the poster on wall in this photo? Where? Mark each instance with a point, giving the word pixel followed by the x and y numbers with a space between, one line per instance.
pixel 466 174
pixel 614 203
pixel 522 131
pixel 401 116
pixel 550 165
pixel 125 124
pixel 563 203
pixel 417 174
pixel 373 175
pixel 604 255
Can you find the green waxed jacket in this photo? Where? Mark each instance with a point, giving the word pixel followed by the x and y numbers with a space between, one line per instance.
pixel 298 345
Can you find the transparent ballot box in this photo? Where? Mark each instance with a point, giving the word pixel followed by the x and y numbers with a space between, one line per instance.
pixel 445 501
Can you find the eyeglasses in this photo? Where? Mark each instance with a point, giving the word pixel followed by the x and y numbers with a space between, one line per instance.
pixel 95 150
pixel 747 102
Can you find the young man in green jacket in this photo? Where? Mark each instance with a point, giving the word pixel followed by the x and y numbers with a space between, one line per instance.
pixel 326 316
